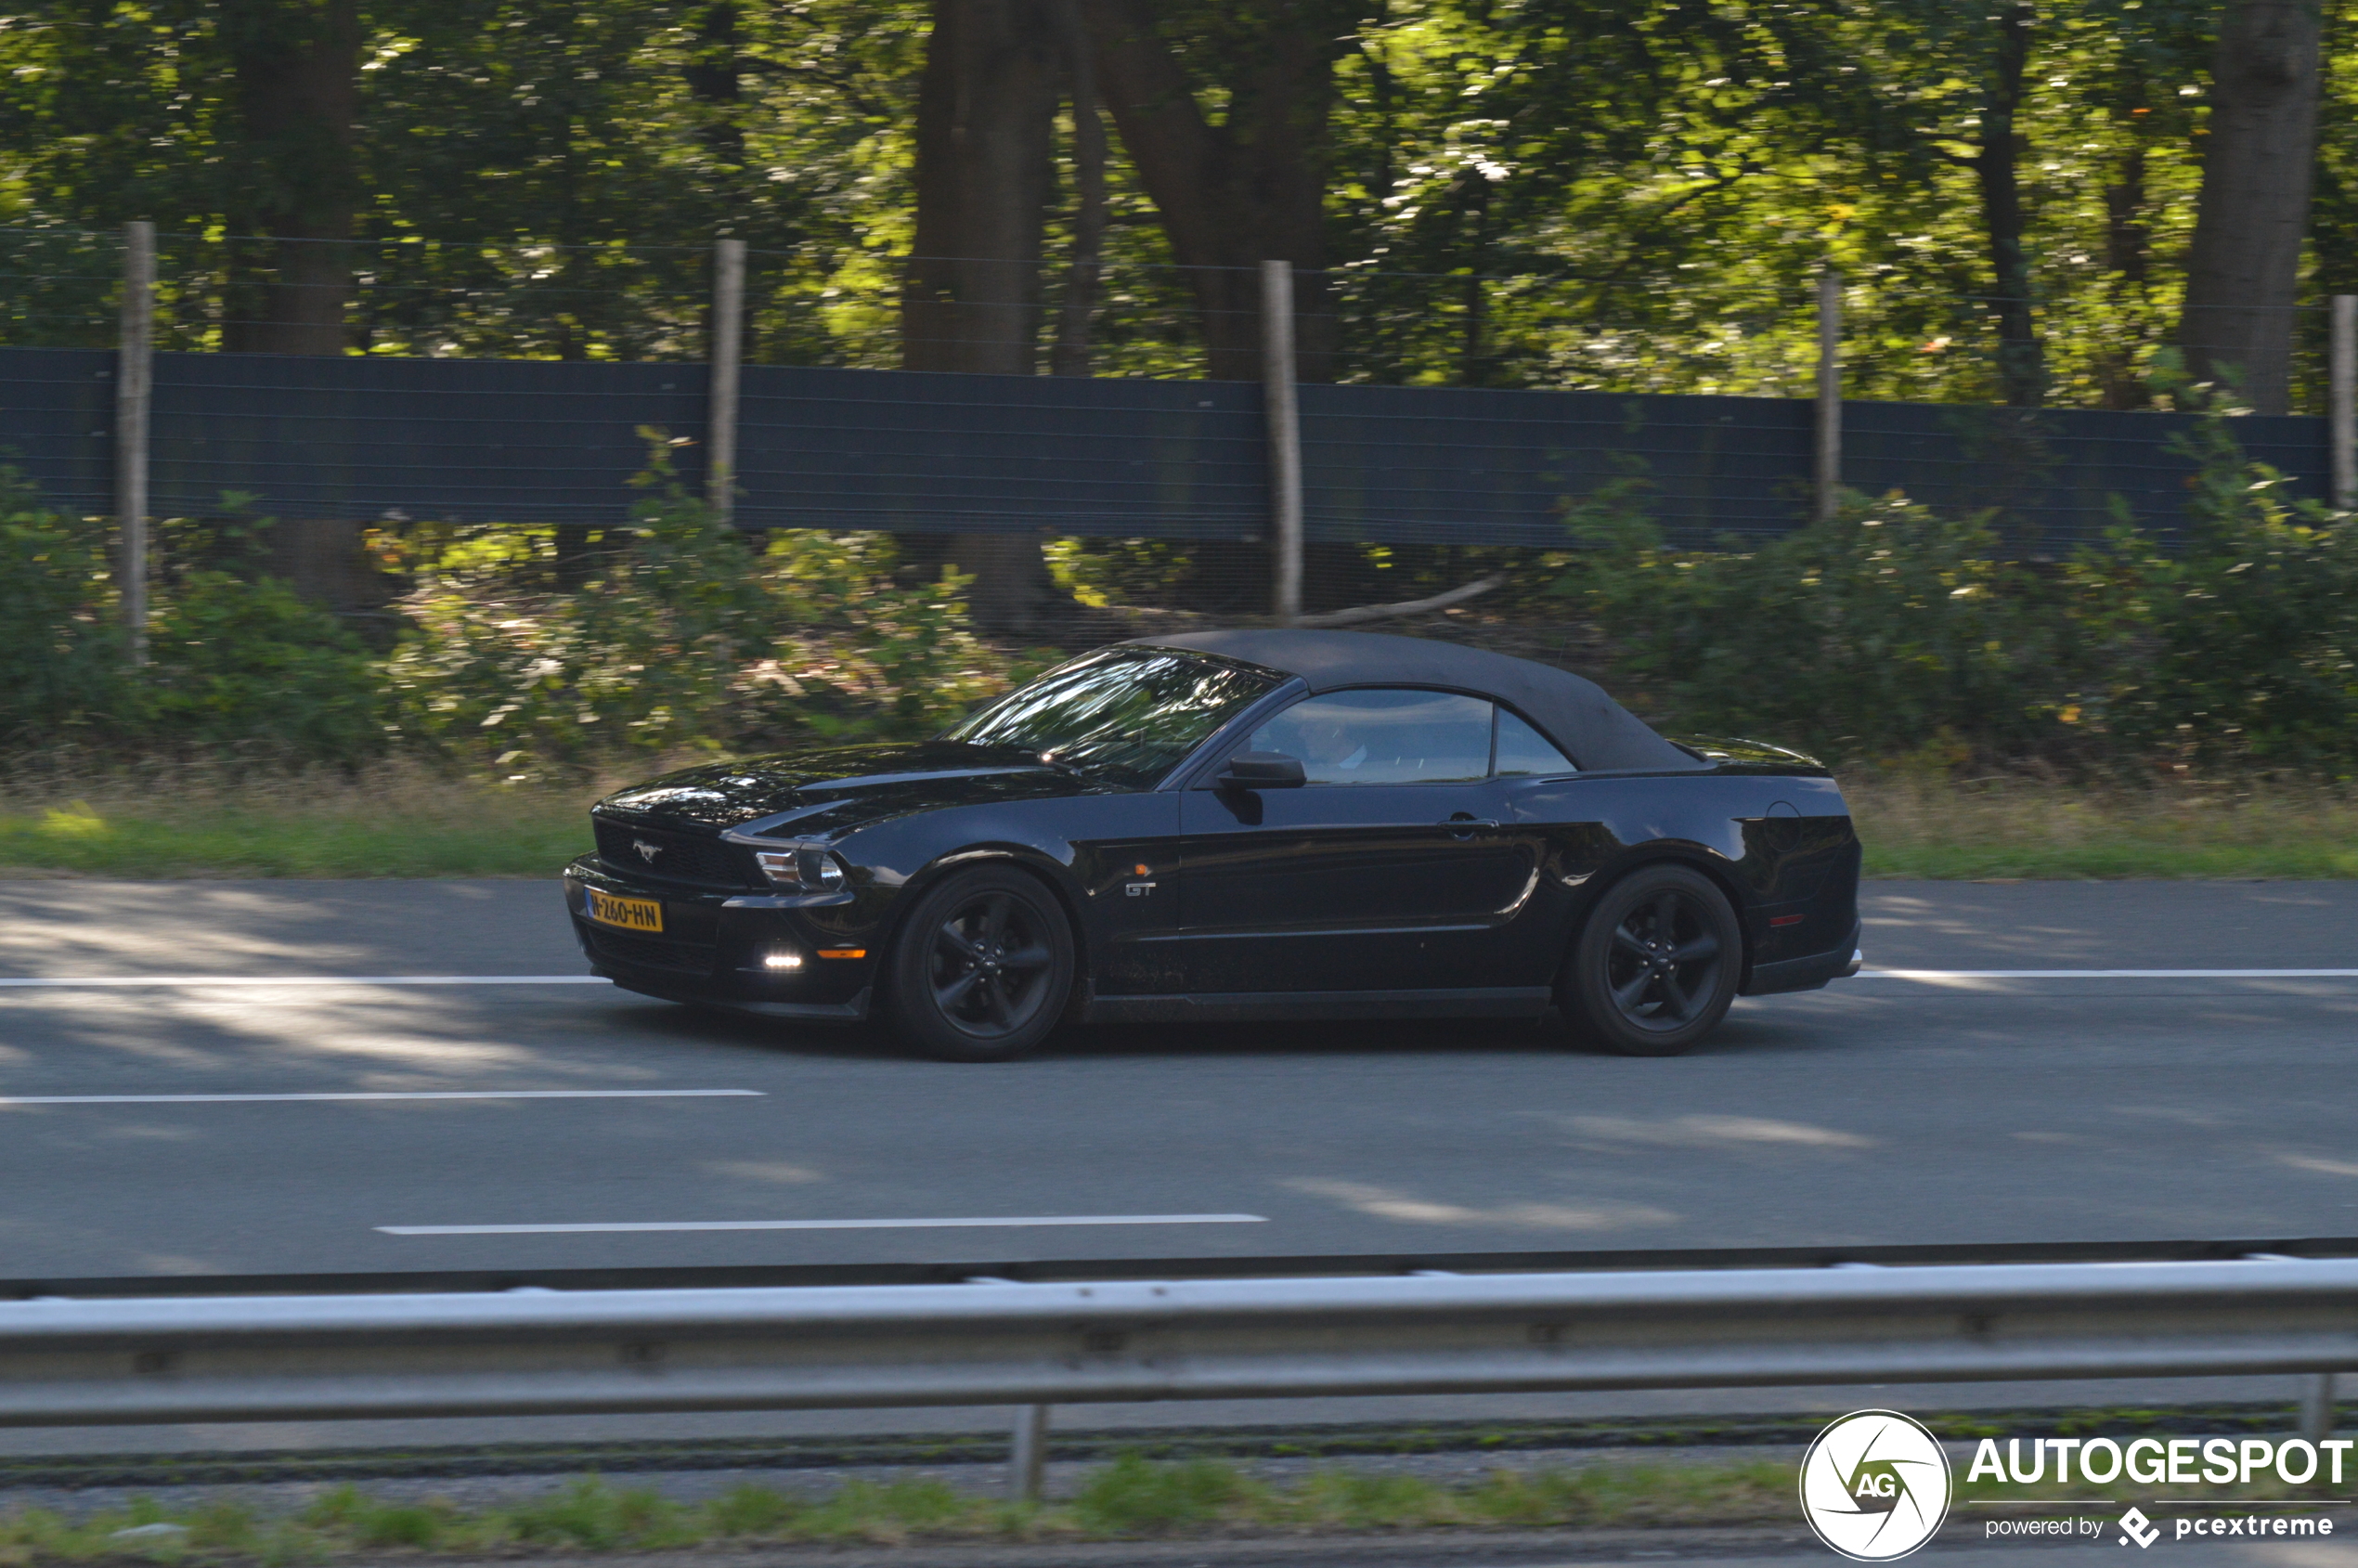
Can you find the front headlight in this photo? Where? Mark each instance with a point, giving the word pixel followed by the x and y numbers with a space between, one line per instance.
pixel 805 868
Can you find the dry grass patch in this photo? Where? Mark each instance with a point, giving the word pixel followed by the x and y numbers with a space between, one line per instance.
pixel 405 819
pixel 209 820
pixel 2021 829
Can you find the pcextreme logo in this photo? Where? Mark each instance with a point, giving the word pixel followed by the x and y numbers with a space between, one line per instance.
pixel 1876 1486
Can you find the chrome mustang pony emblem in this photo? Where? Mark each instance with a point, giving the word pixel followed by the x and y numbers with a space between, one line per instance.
pixel 647 852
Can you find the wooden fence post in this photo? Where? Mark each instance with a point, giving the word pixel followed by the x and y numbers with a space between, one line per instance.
pixel 2342 424
pixel 1829 452
pixel 727 349
pixel 134 396
pixel 1281 403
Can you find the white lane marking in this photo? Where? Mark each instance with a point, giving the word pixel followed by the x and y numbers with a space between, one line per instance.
pixel 2108 973
pixel 312 980
pixel 380 1094
pixel 1010 1224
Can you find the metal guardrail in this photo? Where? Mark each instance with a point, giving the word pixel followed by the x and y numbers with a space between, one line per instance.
pixel 1034 1271
pixel 86 1362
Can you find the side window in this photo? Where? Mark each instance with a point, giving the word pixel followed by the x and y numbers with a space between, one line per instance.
pixel 1383 737
pixel 1523 751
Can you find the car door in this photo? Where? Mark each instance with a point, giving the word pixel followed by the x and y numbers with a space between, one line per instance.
pixel 1387 870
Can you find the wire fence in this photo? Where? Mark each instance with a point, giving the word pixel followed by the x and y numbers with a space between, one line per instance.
pixel 1450 421
pixel 1906 339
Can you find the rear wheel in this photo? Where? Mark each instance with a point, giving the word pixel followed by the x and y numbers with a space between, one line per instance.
pixel 983 967
pixel 1655 967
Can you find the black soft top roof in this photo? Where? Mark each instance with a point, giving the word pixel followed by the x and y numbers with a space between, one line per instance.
pixel 1589 727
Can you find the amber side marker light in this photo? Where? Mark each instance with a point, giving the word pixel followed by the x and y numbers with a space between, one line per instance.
pixel 843 952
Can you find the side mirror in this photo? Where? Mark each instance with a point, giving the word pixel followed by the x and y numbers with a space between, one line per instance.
pixel 1262 770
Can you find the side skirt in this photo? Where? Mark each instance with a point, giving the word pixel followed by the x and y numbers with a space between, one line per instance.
pixel 1493 1001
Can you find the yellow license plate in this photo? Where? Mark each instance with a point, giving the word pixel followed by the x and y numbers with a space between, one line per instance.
pixel 631 914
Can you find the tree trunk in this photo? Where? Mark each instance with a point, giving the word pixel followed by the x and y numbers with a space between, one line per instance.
pixel 297 80
pixel 2129 245
pixel 716 81
pixel 2022 372
pixel 2259 154
pixel 986 122
pixel 1248 190
pixel 986 114
pixel 1232 196
pixel 1075 312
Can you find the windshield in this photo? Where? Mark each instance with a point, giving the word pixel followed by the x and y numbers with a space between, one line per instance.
pixel 1131 714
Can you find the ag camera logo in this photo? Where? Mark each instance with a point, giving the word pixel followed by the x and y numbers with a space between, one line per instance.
pixel 1876 1486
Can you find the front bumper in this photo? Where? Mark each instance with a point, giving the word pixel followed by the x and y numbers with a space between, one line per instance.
pixel 715 946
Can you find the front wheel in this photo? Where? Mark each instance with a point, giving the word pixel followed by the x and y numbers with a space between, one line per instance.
pixel 1656 966
pixel 982 968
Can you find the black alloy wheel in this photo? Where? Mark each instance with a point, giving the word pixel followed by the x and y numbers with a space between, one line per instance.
pixel 983 968
pixel 1656 964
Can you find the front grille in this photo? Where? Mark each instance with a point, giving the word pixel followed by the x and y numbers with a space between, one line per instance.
pixel 650 953
pixel 677 857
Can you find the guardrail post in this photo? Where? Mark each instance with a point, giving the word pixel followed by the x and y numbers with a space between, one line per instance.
pixel 2317 1408
pixel 134 396
pixel 727 349
pixel 1028 1456
pixel 1282 405
pixel 2342 425
pixel 1829 430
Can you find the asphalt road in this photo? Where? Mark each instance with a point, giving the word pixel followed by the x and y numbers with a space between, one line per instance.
pixel 1879 1110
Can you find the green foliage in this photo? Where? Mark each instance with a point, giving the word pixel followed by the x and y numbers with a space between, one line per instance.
pixel 1102 572
pixel 747 1509
pixel 863 1511
pixel 682 638
pixel 1621 194
pixel 1877 632
pixel 589 1513
pixel 2250 646
pixel 1891 629
pixel 1132 1495
pixel 234 663
pixel 60 643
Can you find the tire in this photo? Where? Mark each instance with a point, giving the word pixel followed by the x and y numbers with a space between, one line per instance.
pixel 1655 967
pixel 982 968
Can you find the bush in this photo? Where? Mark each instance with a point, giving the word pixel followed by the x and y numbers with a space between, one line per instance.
pixel 61 646
pixel 2244 645
pixel 1877 632
pixel 1891 629
pixel 683 636
pixel 251 664
pixel 231 662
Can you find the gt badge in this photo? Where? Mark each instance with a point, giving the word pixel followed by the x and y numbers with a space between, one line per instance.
pixel 1137 889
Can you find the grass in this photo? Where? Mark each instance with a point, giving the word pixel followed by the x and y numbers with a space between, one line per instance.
pixel 2032 831
pixel 404 820
pixel 390 820
pixel 1129 1498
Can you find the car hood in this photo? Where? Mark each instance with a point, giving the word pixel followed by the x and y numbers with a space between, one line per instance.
pixel 826 792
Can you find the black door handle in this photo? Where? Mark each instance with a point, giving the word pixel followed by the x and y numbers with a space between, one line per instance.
pixel 1467 821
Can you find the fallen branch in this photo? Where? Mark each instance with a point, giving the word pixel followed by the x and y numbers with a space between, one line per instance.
pixel 1365 612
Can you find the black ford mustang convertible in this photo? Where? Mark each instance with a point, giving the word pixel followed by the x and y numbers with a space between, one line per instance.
pixel 1238 824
